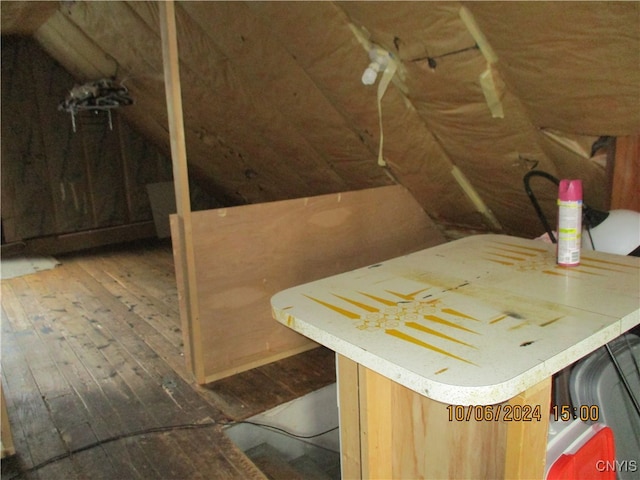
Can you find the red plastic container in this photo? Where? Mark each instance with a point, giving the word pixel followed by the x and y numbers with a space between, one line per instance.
pixel 587 452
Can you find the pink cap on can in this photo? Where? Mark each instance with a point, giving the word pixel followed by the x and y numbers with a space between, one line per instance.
pixel 570 191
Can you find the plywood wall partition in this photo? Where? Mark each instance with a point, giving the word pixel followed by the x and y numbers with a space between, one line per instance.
pixel 244 255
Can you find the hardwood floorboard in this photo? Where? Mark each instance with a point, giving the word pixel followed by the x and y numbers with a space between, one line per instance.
pixel 155 279
pixel 35 420
pixel 137 300
pixel 92 355
pixel 14 312
pixel 134 346
pixel 302 374
pixel 247 394
pixel 252 392
pixel 65 341
pixel 114 307
pixel 115 370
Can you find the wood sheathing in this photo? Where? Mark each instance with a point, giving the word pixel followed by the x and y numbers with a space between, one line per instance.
pixel 275 109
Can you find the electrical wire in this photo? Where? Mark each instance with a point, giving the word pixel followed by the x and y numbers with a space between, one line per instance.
pixel 623 378
pixel 301 438
pixel 169 428
pixel 534 201
pixel 283 431
pixel 593 247
pixel 633 357
pixel 99 443
pixel 431 60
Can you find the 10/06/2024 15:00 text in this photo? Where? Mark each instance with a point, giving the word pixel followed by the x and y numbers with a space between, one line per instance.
pixel 520 413
pixel 494 413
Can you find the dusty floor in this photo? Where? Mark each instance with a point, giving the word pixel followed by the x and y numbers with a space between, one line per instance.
pixel 92 354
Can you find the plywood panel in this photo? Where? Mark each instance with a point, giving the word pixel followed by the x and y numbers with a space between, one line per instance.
pixel 246 254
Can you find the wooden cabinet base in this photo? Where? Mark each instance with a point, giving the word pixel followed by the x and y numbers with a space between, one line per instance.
pixel 390 432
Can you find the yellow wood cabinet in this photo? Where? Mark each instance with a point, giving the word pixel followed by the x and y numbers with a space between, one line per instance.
pixel 389 432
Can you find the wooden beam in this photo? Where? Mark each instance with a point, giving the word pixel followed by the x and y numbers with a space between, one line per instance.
pixel 376 424
pixel 70 46
pixel 24 18
pixel 185 260
pixel 349 401
pixel 625 191
pixel 71 242
pixel 526 444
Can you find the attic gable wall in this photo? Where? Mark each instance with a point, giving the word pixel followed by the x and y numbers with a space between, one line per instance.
pixel 55 180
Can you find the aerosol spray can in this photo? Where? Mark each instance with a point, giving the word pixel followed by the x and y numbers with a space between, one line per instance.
pixel 569 222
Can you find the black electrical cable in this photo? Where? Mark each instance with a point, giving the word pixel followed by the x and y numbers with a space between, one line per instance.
pixel 623 378
pixel 282 430
pixel 188 426
pixel 431 60
pixel 170 428
pixel 633 357
pixel 593 247
pixel 300 437
pixel 534 201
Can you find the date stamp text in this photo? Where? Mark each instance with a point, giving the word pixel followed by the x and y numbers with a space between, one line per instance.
pixel 494 413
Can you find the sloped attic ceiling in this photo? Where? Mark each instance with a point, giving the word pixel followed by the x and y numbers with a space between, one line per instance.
pixel 274 105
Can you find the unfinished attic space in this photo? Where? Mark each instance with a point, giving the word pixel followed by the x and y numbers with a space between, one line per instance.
pixel 320 240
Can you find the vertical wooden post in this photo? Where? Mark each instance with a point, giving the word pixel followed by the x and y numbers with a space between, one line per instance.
pixel 625 191
pixel 349 405
pixel 527 441
pixel 376 428
pixel 191 334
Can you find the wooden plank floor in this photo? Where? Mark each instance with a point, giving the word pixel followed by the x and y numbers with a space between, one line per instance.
pixel 92 351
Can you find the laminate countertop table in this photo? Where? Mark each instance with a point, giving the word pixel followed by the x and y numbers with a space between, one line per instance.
pixel 481 321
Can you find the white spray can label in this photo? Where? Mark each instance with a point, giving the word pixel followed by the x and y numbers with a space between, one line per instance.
pixel 569 222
